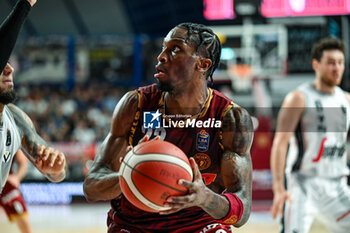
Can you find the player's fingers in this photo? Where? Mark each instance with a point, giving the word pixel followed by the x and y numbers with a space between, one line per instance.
pixel 196 172
pixel 191 186
pixel 40 150
pixel 128 148
pixel 274 209
pixel 52 157
pixel 38 163
pixel 61 159
pixel 280 208
pixel 176 206
pixel 182 199
pixel 144 139
pixel 166 212
pixel 46 153
pixel 186 184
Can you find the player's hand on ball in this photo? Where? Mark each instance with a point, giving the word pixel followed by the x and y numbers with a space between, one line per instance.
pixel 197 192
pixel 50 160
pixel 144 139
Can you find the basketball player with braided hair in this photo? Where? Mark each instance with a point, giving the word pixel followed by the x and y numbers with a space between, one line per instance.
pixel 220 193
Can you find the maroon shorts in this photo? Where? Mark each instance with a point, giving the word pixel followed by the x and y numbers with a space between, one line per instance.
pixel 213 227
pixel 12 201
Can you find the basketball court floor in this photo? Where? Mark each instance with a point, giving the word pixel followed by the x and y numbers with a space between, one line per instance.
pixel 91 218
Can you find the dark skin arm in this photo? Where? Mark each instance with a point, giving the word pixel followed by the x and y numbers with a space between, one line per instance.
pixel 102 182
pixel 47 160
pixel 236 172
pixel 236 164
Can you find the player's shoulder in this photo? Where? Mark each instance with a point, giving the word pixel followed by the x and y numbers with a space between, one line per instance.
pixel 237 115
pixel 347 95
pixel 237 129
pixel 13 108
pixel 124 113
pixel 17 113
pixel 128 102
pixel 149 89
pixel 219 95
pixel 295 98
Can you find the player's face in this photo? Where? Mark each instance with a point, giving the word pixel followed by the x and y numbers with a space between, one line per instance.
pixel 7 93
pixel 331 67
pixel 176 62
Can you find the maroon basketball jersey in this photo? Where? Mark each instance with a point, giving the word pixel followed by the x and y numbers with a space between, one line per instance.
pixel 198 136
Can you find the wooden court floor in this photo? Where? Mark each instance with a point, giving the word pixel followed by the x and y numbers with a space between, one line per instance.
pixel 91 218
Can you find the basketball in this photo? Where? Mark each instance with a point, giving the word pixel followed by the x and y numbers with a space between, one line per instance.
pixel 149 174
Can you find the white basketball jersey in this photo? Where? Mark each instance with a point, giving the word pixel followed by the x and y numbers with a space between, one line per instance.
pixel 318 147
pixel 10 142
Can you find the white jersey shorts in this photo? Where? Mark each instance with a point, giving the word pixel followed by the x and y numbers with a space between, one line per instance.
pixel 326 199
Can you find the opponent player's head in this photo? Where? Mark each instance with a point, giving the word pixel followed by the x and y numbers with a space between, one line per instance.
pixel 328 61
pixel 190 51
pixel 7 92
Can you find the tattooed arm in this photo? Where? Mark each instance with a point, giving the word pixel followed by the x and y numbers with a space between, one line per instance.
pixel 236 165
pixel 236 171
pixel 47 160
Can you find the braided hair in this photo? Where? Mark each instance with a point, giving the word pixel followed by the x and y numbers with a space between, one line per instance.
pixel 206 42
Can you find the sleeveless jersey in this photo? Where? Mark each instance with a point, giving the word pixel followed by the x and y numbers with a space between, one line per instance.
pixel 318 147
pixel 10 142
pixel 201 143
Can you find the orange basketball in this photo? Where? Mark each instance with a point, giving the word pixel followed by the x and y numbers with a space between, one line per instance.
pixel 149 174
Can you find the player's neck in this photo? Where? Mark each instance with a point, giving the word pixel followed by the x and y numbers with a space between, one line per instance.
pixel 323 87
pixel 189 102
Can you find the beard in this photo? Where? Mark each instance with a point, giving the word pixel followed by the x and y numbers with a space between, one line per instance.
pixel 163 86
pixel 329 81
pixel 7 97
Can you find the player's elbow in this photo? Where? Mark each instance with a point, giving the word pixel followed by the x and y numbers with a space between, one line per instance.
pixel 240 223
pixel 245 216
pixel 89 192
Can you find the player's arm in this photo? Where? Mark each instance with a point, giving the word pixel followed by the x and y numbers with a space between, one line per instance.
pixel 288 117
pixel 49 161
pixel 11 27
pixel 102 182
pixel 233 206
pixel 236 165
pixel 22 166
